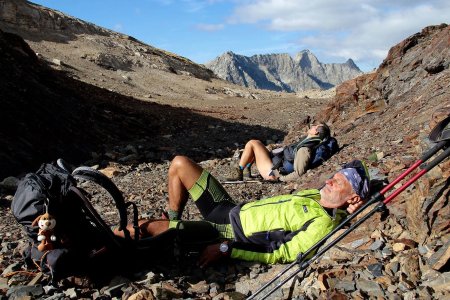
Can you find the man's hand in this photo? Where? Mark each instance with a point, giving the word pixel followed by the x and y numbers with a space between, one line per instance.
pixel 210 255
pixel 352 207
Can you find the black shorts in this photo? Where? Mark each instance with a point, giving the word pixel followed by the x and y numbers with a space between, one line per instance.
pixel 211 199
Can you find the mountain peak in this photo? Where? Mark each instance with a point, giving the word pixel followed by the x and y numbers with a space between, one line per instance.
pixel 281 72
pixel 351 64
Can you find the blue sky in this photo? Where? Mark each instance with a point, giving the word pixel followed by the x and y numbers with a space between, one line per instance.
pixel 334 30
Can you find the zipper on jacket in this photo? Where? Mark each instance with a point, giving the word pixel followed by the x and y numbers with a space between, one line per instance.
pixel 272 203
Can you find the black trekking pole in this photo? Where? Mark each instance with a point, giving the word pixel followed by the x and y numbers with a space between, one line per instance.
pixel 377 197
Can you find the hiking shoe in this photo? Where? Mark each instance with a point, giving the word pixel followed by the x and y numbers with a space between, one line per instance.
pixel 236 174
pixel 247 174
pixel 169 215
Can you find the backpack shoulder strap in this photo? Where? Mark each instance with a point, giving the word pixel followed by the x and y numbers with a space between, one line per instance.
pixel 93 215
pixel 309 142
pixel 90 174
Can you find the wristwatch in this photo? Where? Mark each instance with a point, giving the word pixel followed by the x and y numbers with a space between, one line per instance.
pixel 224 248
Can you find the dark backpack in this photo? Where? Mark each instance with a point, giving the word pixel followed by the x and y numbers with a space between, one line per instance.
pixel 324 151
pixel 53 190
pixel 85 243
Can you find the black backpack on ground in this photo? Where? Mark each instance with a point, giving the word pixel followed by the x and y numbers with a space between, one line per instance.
pixel 85 243
pixel 322 152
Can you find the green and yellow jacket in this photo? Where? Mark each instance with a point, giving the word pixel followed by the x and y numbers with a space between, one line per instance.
pixel 277 229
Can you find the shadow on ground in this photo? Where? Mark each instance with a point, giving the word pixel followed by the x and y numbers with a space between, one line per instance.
pixel 45 115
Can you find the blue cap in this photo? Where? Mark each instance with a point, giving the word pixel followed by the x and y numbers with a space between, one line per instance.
pixel 358 177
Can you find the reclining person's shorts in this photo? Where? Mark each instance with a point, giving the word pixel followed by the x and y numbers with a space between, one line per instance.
pixel 213 202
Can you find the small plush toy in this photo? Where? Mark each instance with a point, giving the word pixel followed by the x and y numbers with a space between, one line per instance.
pixel 46 223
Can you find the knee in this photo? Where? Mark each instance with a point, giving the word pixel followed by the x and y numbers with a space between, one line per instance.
pixel 252 143
pixel 178 162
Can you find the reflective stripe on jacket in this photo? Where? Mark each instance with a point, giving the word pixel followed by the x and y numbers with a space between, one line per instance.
pixel 280 227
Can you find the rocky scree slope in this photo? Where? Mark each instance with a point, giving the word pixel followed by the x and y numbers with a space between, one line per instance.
pixel 281 72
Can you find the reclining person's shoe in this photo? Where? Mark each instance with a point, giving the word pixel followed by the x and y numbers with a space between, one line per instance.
pixel 236 175
pixel 247 174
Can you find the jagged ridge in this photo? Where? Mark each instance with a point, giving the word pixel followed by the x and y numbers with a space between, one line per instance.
pixel 281 72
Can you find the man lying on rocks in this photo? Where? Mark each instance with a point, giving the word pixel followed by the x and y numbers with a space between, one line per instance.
pixel 272 230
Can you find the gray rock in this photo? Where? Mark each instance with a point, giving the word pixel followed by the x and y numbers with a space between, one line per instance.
pixel 71 293
pixel 48 289
pixel 370 287
pixel 441 257
pixel 346 286
pixel 214 289
pixel 9 184
pixel 423 250
pixel 152 277
pixel 412 295
pixel 392 267
pixel 404 286
pixel 165 291
pixel 57 62
pixel 3 283
pixel 364 274
pixel 230 296
pixel 114 289
pixel 11 268
pixel 21 291
pixel 376 269
pixel 392 288
pixel 386 252
pixel 441 283
pixel 392 296
pixel 245 286
pixel 201 287
pixel 57 296
pixel 359 243
pixel 425 292
pixel 377 245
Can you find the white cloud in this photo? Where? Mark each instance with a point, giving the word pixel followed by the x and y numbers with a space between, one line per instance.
pixel 197 5
pixel 361 29
pixel 210 27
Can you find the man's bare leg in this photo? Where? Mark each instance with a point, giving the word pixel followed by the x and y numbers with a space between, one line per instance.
pixel 256 151
pixel 183 174
pixel 146 228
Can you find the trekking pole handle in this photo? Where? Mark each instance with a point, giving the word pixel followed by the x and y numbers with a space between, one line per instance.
pixel 440 158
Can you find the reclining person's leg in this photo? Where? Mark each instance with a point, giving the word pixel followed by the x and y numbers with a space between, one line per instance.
pixel 256 151
pixel 183 173
pixel 186 177
pixel 213 202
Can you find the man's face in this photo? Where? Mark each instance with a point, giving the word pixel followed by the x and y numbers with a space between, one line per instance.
pixel 314 129
pixel 336 192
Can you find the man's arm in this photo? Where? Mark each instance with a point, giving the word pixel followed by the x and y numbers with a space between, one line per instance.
pixel 212 254
pixel 301 162
pixel 288 251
